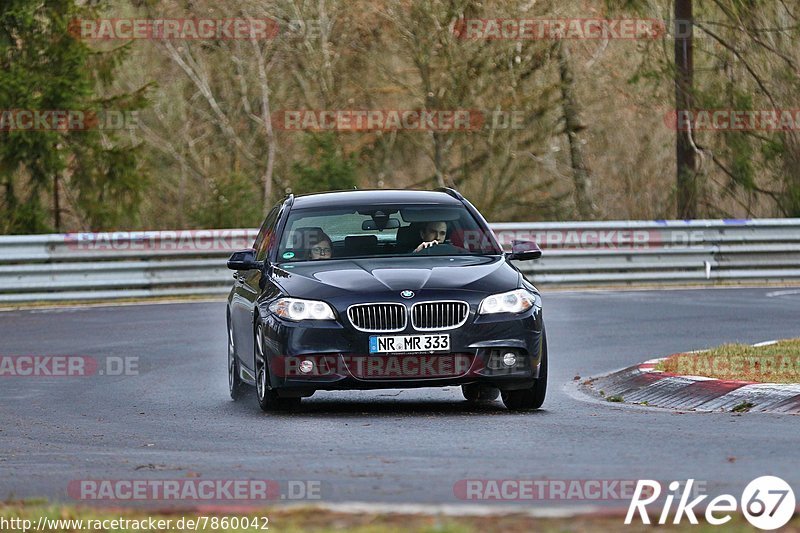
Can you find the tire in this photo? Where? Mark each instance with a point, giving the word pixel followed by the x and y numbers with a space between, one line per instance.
pixel 268 398
pixel 235 384
pixel 474 392
pixel 533 397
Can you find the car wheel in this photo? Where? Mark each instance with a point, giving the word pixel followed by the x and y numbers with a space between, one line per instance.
pixel 533 397
pixel 474 392
pixel 268 398
pixel 235 383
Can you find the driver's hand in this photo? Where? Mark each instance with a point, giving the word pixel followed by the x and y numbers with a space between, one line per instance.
pixel 424 245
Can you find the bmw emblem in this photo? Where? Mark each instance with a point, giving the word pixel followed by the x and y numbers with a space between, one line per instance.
pixel 407 294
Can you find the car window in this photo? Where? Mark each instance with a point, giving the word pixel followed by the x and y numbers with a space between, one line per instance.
pixel 380 231
pixel 266 233
pixel 340 225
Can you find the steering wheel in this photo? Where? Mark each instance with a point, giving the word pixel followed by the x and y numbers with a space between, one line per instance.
pixel 441 249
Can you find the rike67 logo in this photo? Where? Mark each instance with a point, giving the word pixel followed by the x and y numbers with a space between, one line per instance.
pixel 767 502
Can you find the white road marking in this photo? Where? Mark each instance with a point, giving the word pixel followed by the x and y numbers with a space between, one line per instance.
pixel 70 307
pixel 765 343
pixel 469 509
pixel 773 294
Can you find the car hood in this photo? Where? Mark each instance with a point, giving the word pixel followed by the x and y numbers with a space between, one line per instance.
pixel 326 279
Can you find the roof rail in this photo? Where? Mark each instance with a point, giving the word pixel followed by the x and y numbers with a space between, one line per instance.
pixel 452 192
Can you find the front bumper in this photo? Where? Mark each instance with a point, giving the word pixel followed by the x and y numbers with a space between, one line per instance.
pixel 341 359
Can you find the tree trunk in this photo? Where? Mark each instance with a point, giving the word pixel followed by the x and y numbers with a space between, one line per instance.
pixel 266 115
pixel 580 174
pixel 438 159
pixel 684 151
pixel 56 204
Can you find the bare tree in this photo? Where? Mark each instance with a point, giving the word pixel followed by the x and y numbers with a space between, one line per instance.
pixel 684 74
pixel 572 127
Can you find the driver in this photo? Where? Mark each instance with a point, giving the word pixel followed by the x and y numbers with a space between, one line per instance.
pixel 432 234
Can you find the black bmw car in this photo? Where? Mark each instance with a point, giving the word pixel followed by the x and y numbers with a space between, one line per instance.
pixel 383 289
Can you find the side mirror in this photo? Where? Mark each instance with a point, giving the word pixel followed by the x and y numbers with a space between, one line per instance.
pixel 524 251
pixel 244 260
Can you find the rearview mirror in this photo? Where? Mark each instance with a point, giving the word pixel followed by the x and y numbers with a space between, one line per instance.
pixel 371 225
pixel 244 260
pixel 524 251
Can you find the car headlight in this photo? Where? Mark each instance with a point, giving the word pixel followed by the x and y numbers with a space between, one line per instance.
pixel 517 301
pixel 297 309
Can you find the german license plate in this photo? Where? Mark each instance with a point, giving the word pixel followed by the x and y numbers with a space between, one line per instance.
pixel 409 343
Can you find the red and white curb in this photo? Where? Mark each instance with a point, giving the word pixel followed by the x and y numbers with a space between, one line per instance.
pixel 644 385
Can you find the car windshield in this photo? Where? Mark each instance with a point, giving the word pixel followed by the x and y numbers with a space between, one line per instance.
pixel 383 231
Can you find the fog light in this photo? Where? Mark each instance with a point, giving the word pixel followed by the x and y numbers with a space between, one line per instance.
pixel 509 359
pixel 306 366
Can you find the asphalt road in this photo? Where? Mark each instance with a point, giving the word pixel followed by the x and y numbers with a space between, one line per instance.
pixel 174 420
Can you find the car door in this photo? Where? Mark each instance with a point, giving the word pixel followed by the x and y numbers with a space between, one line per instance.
pixel 247 287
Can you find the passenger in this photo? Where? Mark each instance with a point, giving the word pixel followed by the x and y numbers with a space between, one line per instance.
pixel 322 249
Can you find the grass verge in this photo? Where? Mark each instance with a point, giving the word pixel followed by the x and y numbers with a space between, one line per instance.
pixel 774 363
pixel 295 519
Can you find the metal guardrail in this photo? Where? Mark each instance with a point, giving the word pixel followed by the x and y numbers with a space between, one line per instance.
pixel 101 266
